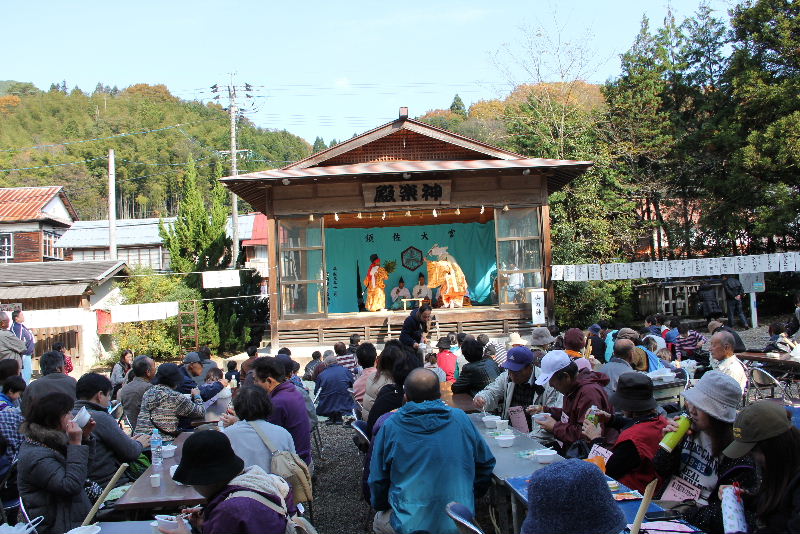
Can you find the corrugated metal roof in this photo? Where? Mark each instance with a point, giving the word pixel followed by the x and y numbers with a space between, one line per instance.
pixel 260 235
pixel 26 203
pixel 42 291
pixel 16 274
pixel 388 167
pixel 131 232
pixel 558 173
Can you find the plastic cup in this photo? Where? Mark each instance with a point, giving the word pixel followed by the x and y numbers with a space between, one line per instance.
pixel 155 480
pixel 502 424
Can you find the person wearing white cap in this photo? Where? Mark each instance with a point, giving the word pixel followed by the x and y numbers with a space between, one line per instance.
pixel 582 389
pixel 696 467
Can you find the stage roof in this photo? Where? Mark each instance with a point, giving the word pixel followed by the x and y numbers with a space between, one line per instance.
pixel 559 173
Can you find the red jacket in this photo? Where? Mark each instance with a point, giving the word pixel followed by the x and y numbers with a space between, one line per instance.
pixel 645 436
pixel 590 391
pixel 447 362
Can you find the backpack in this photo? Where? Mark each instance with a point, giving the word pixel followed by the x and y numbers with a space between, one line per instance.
pixel 290 467
pixel 294 525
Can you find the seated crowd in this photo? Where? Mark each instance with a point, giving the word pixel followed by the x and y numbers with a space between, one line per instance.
pixel 571 391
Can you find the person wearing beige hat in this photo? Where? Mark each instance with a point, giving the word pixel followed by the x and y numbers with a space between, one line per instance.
pixel 764 429
pixel 695 469
pixel 516 340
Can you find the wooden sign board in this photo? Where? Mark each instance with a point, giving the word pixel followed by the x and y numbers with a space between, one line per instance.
pixel 401 194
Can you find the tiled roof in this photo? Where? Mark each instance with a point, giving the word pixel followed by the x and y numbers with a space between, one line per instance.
pixel 19 204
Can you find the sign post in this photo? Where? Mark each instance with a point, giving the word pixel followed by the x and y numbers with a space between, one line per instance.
pixel 753 283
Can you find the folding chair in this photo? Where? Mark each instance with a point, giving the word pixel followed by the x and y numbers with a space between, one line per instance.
pixel 25 514
pixel 761 381
pixel 360 439
pixel 463 518
pixel 315 433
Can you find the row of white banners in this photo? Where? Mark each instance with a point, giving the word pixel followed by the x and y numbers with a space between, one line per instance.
pixel 760 263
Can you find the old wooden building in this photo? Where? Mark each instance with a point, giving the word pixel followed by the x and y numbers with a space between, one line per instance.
pixel 32 219
pixel 405 191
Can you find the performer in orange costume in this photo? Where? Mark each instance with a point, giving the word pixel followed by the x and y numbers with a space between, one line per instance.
pixel 376 286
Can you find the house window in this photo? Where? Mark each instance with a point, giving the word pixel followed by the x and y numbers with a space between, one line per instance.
pixel 6 246
pixel 50 249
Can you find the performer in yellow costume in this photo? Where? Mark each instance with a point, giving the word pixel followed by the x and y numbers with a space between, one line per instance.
pixel 376 286
pixel 446 274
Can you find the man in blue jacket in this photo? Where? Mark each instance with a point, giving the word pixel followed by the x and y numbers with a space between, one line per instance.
pixel 416 446
pixel 332 387
pixel 193 367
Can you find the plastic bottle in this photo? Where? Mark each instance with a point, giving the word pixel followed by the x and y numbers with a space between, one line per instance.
pixel 733 520
pixel 673 439
pixel 591 415
pixel 155 447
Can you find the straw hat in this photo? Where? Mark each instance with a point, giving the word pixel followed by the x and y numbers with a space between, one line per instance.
pixel 516 339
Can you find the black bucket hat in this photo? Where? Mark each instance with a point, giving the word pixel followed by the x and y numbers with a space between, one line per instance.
pixel 634 393
pixel 208 458
pixel 168 373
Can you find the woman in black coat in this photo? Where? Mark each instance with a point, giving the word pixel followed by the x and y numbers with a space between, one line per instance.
pixel 415 325
pixel 709 305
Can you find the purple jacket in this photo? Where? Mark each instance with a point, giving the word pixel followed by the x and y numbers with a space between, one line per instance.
pixel 289 411
pixel 242 514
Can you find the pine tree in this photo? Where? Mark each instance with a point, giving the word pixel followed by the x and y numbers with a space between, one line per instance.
pixel 458 107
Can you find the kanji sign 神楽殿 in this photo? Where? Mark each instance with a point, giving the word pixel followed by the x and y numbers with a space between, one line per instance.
pixel 429 193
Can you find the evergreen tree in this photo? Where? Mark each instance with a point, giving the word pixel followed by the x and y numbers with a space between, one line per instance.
pixel 319 145
pixel 197 240
pixel 458 107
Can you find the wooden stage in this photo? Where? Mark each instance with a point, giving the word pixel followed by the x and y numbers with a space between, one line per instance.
pixel 378 327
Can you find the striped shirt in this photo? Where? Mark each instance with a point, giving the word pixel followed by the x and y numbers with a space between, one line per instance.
pixel 500 353
pixel 348 361
pixel 685 346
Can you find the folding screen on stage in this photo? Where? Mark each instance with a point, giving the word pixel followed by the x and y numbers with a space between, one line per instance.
pixel 347 253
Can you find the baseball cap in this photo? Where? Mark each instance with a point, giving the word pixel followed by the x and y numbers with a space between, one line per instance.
pixel 759 421
pixel 191 357
pixel 553 362
pixel 517 358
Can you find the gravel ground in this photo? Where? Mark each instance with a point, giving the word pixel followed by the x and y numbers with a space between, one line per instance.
pixel 753 338
pixel 338 508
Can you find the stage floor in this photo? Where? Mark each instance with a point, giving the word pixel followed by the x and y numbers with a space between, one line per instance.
pixel 382 325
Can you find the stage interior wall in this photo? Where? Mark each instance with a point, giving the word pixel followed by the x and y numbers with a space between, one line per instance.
pixel 347 253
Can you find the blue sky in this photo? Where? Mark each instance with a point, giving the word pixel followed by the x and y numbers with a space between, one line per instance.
pixel 319 68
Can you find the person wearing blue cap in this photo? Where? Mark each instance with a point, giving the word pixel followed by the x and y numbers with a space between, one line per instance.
pixel 550 512
pixel 516 385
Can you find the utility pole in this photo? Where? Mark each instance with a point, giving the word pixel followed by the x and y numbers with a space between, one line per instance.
pixel 112 206
pixel 234 172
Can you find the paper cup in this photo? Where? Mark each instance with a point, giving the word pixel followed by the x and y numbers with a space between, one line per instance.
pixel 167 522
pixel 82 417
pixel 502 424
pixel 155 480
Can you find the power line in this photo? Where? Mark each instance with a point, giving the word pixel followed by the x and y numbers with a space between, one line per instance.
pixel 54 165
pixel 125 134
